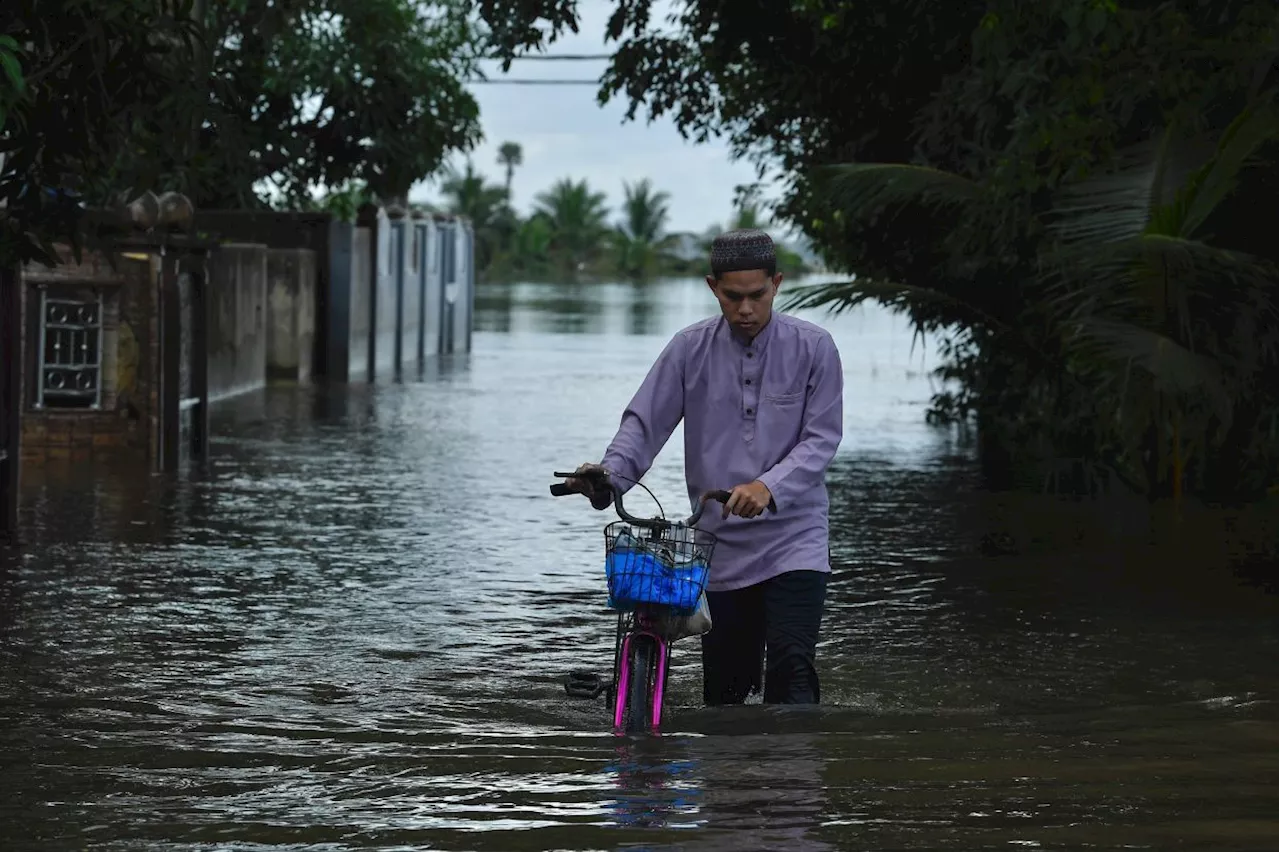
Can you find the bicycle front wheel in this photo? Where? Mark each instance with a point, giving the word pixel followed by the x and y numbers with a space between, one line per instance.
pixel 641 679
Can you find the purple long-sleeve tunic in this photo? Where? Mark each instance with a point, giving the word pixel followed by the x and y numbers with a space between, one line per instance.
pixel 771 410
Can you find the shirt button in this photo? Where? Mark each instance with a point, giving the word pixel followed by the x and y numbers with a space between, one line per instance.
pixel 750 354
pixel 748 381
pixel 750 411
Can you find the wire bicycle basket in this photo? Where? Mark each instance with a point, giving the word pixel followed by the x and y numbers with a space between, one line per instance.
pixel 665 567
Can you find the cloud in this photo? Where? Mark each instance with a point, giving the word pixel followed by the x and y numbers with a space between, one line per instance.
pixel 564 132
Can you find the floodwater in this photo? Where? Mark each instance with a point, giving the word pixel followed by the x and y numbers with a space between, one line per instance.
pixel 349 633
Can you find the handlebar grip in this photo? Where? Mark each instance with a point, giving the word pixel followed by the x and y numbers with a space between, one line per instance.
pixel 561 490
pixel 719 496
pixel 586 474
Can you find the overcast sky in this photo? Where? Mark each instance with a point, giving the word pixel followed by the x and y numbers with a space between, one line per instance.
pixel 565 133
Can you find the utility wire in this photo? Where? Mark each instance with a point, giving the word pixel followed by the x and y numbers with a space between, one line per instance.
pixel 518 81
pixel 559 57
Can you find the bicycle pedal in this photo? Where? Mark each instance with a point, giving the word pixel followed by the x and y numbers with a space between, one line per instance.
pixel 581 684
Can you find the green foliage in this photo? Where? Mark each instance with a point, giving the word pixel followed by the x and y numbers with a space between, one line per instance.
pixel 82 81
pixel 992 153
pixel 467 194
pixel 318 93
pixel 345 201
pixel 568 233
pixel 640 239
pixel 510 155
pixel 578 218
pixel 236 103
pixel 1139 327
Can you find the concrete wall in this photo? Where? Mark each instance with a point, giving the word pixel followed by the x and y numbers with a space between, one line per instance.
pixel 379 305
pixel 465 276
pixel 433 290
pixel 384 298
pixel 291 314
pixel 291 230
pixel 410 278
pixel 360 314
pixel 237 319
pixel 335 311
pixel 457 286
pixel 448 242
pixel 385 311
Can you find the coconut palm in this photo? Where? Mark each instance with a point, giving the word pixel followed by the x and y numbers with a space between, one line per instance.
pixel 467 194
pixel 640 239
pixel 531 246
pixel 748 214
pixel 578 220
pixel 510 155
pixel 1139 337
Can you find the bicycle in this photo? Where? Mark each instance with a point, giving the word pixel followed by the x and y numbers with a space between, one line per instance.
pixel 657 572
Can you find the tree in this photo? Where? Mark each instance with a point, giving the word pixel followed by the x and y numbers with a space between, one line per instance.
pixel 236 103
pixel 1001 106
pixel 791 85
pixel 640 239
pixel 308 94
pixel 577 217
pixel 510 155
pixel 81 81
pixel 1144 344
pixel 531 248
pixel 467 194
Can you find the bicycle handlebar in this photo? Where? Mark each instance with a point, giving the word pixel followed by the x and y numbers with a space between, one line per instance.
pixel 561 489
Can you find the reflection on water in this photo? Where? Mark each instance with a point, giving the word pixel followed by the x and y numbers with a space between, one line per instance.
pixel 633 308
pixel 348 632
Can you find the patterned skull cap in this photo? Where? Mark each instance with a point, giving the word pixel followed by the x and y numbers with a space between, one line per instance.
pixel 743 248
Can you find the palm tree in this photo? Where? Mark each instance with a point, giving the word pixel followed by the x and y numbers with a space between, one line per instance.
pixel 1136 337
pixel 510 155
pixel 578 221
pixel 467 194
pixel 531 249
pixel 640 238
pixel 748 215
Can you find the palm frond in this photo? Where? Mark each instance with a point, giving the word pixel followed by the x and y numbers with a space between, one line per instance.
pixel 1106 265
pixel 862 190
pixel 1115 206
pixel 841 296
pixel 1173 368
pixel 1255 126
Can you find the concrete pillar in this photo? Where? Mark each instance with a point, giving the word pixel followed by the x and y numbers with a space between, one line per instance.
pixel 291 322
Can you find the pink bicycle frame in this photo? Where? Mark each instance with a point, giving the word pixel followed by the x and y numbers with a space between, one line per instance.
pixel 624 680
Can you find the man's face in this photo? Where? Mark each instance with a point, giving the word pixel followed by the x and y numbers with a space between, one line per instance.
pixel 746 298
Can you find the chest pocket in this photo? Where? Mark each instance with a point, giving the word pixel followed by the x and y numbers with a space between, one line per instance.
pixel 785 400
pixel 783 413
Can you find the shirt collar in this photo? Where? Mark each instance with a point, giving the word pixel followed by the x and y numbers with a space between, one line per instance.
pixel 761 340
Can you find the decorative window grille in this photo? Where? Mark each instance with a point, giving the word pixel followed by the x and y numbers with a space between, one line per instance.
pixel 70 352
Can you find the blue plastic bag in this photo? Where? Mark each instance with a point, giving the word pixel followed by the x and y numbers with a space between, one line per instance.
pixel 639 576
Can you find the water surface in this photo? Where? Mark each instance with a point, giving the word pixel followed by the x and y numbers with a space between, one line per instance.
pixel 348 633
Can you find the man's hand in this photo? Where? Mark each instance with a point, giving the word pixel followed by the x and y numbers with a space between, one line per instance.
pixel 580 481
pixel 749 500
pixel 591 480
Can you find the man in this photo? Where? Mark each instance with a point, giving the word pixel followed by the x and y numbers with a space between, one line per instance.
pixel 761 395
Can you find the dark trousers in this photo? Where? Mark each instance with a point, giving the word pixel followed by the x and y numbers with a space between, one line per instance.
pixel 772 626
